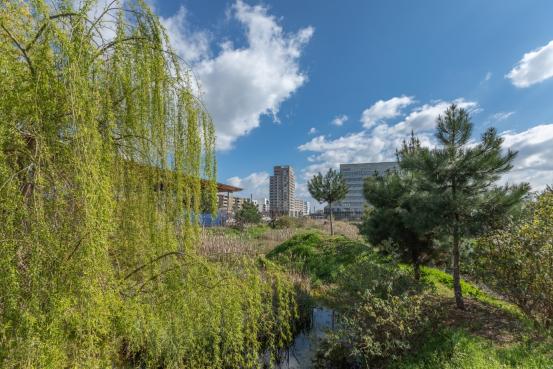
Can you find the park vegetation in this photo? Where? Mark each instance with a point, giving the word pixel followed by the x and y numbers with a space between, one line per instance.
pixel 107 159
pixel 329 188
pixel 103 147
pixel 248 214
pixel 447 193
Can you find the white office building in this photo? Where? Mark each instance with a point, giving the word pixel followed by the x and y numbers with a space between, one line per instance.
pixel 353 205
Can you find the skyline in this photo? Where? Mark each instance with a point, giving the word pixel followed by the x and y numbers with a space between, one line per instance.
pixel 314 85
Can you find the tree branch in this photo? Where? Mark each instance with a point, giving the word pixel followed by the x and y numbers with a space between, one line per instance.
pixel 43 27
pixel 176 253
pixel 21 48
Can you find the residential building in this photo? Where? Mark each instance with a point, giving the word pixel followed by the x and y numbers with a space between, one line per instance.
pixel 264 206
pixel 282 188
pixel 306 208
pixel 229 202
pixel 353 205
pixel 298 208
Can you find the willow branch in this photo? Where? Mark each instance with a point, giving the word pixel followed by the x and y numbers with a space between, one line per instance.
pixel 115 42
pixel 21 48
pixel 176 253
pixel 43 27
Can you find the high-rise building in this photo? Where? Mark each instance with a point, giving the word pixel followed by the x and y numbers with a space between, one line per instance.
pixel 282 188
pixel 298 208
pixel 306 208
pixel 264 206
pixel 353 205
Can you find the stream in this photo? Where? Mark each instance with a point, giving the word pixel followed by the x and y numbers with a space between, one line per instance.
pixel 303 349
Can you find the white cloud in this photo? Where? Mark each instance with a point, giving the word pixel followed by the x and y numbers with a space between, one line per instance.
pixel 378 143
pixel 340 120
pixel 189 45
pixel 312 130
pixel 256 184
pixel 488 76
pixel 384 109
pixel 534 67
pixel 423 118
pixel 242 84
pixel 533 163
pixel 499 117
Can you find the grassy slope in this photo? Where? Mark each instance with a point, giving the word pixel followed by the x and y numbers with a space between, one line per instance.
pixel 319 256
pixel 490 334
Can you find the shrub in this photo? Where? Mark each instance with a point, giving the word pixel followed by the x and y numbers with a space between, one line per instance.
pixel 377 330
pixel 372 272
pixel 287 222
pixel 518 261
pixel 248 214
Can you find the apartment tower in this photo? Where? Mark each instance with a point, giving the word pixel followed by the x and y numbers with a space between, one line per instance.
pixel 282 191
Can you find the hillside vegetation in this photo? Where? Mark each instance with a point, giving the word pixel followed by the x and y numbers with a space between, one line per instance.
pixel 387 319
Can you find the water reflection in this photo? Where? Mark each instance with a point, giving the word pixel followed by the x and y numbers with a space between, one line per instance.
pixel 304 348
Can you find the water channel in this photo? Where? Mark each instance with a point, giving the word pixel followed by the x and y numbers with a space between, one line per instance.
pixel 303 349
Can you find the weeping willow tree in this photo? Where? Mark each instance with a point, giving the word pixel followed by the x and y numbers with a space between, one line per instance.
pixel 103 147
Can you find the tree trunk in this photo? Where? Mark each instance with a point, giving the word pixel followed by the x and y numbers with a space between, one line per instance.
pixel 415 260
pixel 417 270
pixel 331 229
pixel 456 270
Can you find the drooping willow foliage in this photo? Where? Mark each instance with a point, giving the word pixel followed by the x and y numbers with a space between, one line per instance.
pixel 103 142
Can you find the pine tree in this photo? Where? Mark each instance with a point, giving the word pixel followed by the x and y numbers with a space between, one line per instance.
pixel 329 188
pixel 461 177
pixel 401 214
pixel 248 214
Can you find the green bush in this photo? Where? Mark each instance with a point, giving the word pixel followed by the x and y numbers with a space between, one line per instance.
pixel 286 221
pixel 377 331
pixel 372 272
pixel 518 261
pixel 321 257
pixel 248 214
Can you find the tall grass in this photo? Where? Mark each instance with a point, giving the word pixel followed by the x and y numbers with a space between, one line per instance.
pixel 224 243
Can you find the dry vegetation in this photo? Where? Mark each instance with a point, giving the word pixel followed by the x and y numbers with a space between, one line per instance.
pixel 222 243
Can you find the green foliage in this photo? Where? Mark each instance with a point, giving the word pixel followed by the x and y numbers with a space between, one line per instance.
pixel 329 188
pixel 400 216
pixel 102 149
pixel 321 257
pixel 286 221
pixel 376 331
pixel 458 178
pixel 457 349
pixel 517 261
pixel 248 214
pixel 369 271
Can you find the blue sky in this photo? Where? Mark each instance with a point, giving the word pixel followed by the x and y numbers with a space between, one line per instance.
pixel 316 83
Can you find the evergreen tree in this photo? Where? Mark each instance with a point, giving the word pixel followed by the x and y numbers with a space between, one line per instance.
pixel 461 177
pixel 329 188
pixel 401 214
pixel 248 214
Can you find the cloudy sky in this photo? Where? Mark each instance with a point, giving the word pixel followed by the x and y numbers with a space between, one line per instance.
pixel 317 83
